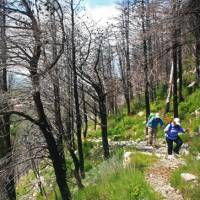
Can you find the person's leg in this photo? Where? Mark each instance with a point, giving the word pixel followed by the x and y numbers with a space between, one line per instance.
pixel 146 136
pixel 150 134
pixel 179 143
pixel 154 137
pixel 170 146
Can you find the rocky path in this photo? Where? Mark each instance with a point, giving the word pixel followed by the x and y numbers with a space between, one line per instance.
pixel 158 176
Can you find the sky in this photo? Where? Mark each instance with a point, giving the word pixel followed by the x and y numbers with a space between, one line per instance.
pixel 96 3
pixel 102 11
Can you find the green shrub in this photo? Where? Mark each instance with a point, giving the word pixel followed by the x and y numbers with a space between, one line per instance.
pixel 194 145
pixel 88 165
pixel 161 91
pixel 87 146
pixel 140 161
pixel 117 183
pixel 190 104
pixel 189 190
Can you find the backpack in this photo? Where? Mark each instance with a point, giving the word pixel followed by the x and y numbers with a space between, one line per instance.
pixel 151 116
pixel 169 129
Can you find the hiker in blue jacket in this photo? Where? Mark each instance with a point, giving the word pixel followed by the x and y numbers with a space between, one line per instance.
pixel 152 125
pixel 172 130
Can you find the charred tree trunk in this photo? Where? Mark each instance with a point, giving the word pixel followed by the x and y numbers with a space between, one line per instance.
pixel 125 87
pixel 76 95
pixel 174 58
pixel 194 5
pixel 56 91
pixel 150 53
pixel 95 116
pixel 7 183
pixel 57 159
pixel 103 120
pixel 179 54
pixel 180 72
pixel 198 57
pixel 84 113
pixel 127 52
pixel 147 102
pixel 43 123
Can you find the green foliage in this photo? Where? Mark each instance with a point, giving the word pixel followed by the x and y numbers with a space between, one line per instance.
pixel 87 146
pixel 195 145
pixel 14 128
pixel 186 108
pixel 110 180
pixel 137 105
pixel 157 106
pixel 126 127
pixel 140 161
pixel 23 186
pixel 189 190
pixel 116 183
pixel 127 184
pixel 190 104
pixel 94 134
pixel 161 91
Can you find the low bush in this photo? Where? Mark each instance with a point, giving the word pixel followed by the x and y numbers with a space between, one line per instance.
pixel 116 183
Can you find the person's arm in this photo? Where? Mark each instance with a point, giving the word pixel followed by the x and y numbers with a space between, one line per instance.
pixel 181 130
pixel 161 123
pixel 166 128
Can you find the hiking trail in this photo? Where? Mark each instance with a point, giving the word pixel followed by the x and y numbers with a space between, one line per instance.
pixel 158 177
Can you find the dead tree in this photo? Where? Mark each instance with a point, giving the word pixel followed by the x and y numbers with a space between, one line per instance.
pixel 33 57
pixel 174 57
pixel 145 54
pixel 7 182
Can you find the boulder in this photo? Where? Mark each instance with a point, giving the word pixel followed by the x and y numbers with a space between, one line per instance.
pixel 187 177
pixel 127 158
pixel 198 156
pixel 197 112
pixel 185 152
pixel 185 146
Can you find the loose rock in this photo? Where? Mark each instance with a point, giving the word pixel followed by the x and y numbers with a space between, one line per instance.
pixel 188 177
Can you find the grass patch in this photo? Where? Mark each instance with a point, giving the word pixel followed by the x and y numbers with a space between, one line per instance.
pixel 140 161
pixel 126 184
pixel 188 189
pixel 190 104
pixel 113 182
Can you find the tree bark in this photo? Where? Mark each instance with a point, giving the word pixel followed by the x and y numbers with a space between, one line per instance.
pixel 179 54
pixel 174 58
pixel 95 116
pixel 147 101
pixel 56 91
pixel 103 119
pixel 44 125
pixel 169 93
pixel 125 87
pixel 8 182
pixel 127 54
pixel 84 113
pixel 57 159
pixel 197 58
pixel 76 95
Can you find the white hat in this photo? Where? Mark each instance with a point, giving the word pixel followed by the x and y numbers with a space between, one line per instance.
pixel 177 121
pixel 157 115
